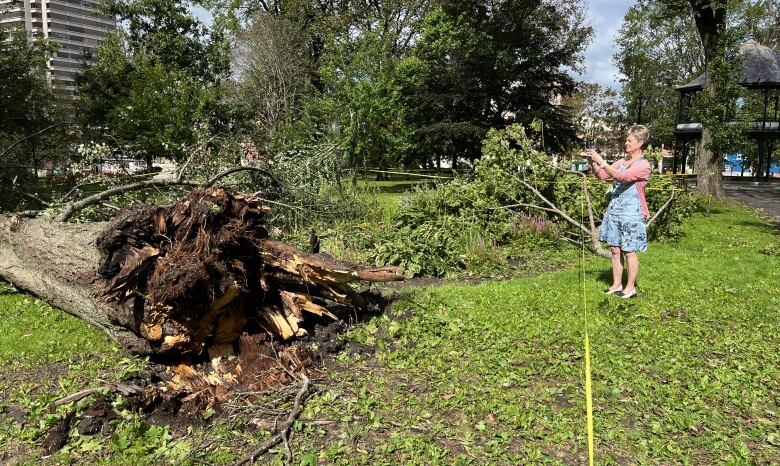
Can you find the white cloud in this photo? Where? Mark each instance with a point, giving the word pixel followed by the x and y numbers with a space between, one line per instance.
pixel 606 17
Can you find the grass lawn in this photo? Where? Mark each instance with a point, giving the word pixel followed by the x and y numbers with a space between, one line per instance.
pixel 45 354
pixel 387 194
pixel 493 373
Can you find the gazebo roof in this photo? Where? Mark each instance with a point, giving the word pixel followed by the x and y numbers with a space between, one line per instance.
pixel 760 69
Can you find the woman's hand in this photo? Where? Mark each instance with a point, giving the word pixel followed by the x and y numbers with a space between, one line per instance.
pixel 593 156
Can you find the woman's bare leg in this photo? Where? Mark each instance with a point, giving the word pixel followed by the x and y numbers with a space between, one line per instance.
pixel 632 259
pixel 617 267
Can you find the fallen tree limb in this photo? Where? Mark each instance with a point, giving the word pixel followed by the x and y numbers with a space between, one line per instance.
pixel 73 207
pixel 523 204
pixel 284 432
pixel 289 206
pixel 121 388
pixel 181 279
pixel 591 232
pixel 662 209
pixel 33 197
pixel 553 207
pixel 594 232
pixel 230 171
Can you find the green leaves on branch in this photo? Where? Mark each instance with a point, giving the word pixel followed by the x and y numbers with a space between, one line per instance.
pixel 464 224
pixel 480 64
pixel 26 101
pixel 411 81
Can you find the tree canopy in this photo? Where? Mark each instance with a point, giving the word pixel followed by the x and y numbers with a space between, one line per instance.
pixel 410 80
pixel 665 43
pixel 656 52
pixel 31 119
pixel 483 64
pixel 154 81
pixel 26 100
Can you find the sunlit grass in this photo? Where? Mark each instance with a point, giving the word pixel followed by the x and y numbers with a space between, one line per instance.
pixel 493 373
pixel 34 333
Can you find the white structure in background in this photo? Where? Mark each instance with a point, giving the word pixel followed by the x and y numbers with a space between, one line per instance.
pixel 77 25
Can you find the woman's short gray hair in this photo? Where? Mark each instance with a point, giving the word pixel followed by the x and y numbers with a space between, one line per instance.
pixel 640 132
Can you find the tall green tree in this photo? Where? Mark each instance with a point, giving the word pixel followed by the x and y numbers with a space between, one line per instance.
pixel 25 97
pixel 27 105
pixel 717 44
pixel 165 31
pixel 656 52
pixel 322 72
pixel 363 101
pixel 154 82
pixel 668 42
pixel 481 64
pixel 313 23
pixel 271 73
pixel 762 22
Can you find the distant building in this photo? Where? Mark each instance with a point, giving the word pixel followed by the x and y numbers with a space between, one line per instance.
pixel 78 26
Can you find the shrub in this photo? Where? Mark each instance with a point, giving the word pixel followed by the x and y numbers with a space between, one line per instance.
pixel 463 223
pixel 668 225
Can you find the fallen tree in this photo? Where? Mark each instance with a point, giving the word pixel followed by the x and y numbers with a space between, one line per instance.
pixel 181 279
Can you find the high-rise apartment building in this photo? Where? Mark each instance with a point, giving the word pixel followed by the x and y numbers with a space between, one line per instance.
pixel 77 25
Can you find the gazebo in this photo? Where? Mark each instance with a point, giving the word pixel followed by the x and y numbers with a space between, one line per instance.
pixel 760 75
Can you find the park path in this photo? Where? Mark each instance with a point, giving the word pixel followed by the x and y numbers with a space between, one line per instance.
pixel 764 196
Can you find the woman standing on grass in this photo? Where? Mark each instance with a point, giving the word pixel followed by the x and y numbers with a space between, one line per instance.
pixel 623 227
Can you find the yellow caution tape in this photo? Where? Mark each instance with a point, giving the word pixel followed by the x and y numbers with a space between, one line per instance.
pixel 588 397
pixel 588 386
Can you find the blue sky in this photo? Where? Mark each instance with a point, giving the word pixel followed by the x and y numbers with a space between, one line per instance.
pixel 605 16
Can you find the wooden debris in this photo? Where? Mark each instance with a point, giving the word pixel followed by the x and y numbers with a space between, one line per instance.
pixel 282 435
pixel 205 268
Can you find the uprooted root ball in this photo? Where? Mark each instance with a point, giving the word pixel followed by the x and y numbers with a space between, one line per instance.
pixel 194 277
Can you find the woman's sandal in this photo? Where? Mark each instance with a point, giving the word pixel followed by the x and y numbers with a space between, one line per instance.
pixel 616 290
pixel 631 294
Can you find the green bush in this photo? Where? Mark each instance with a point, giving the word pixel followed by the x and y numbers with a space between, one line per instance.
pixel 441 229
pixel 463 224
pixel 669 224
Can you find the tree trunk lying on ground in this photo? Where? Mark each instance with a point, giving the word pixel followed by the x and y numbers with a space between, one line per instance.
pixel 181 279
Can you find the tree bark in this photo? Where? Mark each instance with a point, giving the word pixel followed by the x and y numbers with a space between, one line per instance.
pixel 710 19
pixel 708 166
pixel 58 262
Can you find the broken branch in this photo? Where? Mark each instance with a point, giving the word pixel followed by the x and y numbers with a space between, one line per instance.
pixel 284 432
pixel 522 204
pixel 663 208
pixel 121 388
pixel 192 155
pixel 230 171
pixel 554 207
pixel 73 207
pixel 28 137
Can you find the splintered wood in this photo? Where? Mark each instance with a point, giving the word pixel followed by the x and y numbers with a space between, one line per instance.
pixel 198 275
